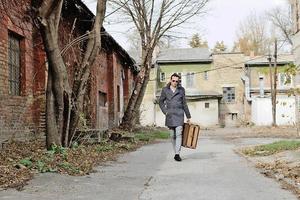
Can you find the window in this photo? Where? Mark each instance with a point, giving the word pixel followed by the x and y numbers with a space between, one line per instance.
pixel 14 64
pixel 206 75
pixel 206 105
pixel 228 94
pixel 162 77
pixel 190 80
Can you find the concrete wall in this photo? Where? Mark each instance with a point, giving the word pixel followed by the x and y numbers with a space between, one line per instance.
pixel 148 115
pixel 206 117
pixel 262 111
pixel 229 69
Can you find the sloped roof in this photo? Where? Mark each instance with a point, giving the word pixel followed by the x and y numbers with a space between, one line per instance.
pixel 108 42
pixel 263 60
pixel 184 55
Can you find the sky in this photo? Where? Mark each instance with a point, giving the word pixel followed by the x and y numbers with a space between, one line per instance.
pixel 220 24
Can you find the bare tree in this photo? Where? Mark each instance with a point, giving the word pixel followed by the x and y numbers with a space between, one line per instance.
pixel 153 19
pixel 252 36
pixel 281 19
pixel 64 101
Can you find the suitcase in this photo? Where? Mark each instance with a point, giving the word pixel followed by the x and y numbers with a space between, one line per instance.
pixel 190 135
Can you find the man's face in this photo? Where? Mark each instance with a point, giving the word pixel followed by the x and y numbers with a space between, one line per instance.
pixel 174 81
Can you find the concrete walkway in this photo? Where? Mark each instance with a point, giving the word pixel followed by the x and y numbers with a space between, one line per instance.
pixel 211 172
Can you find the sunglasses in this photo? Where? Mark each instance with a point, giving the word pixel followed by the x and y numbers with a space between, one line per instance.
pixel 175 81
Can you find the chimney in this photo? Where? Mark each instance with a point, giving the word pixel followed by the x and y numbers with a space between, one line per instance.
pixel 261 87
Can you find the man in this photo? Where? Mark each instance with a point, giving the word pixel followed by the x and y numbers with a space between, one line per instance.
pixel 172 102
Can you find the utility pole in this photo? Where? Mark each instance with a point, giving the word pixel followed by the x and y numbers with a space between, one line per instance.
pixel 271 85
pixel 275 85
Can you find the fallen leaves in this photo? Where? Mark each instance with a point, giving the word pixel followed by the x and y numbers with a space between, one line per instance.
pixel 288 173
pixel 21 160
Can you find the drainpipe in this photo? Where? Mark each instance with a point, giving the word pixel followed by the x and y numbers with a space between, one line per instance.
pixel 247 87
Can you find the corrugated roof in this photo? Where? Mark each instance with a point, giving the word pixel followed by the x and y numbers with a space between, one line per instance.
pixel 184 55
pixel 263 60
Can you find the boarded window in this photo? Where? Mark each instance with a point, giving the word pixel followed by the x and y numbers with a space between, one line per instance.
pixel 229 94
pixel 14 64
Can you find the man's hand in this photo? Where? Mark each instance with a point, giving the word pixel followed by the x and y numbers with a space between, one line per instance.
pixel 189 121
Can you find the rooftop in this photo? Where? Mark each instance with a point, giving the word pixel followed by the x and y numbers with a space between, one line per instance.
pixel 263 60
pixel 184 55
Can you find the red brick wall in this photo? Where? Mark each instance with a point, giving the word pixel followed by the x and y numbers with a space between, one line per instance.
pixel 111 84
pixel 99 83
pixel 16 112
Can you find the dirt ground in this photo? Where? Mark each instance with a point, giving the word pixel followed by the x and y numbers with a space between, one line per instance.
pixel 251 132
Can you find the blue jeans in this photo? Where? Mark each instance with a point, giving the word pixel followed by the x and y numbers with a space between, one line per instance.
pixel 176 138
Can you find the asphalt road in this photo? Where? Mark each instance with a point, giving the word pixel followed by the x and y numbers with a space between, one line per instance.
pixel 211 172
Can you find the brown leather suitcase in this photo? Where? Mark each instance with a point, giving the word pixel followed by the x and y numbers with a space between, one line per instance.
pixel 190 135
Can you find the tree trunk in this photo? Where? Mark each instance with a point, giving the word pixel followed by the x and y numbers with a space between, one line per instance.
pixel 133 108
pixel 58 88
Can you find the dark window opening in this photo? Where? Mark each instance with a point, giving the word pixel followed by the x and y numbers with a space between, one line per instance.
pixel 102 99
pixel 206 105
pixel 14 65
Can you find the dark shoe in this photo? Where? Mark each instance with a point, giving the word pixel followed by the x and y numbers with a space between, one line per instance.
pixel 177 157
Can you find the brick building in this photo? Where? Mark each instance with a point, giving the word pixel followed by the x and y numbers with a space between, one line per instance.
pixel 23 70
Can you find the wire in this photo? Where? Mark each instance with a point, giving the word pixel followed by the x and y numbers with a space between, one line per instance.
pixel 228 66
pixel 224 67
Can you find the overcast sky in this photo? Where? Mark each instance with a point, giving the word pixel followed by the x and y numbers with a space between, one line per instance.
pixel 220 24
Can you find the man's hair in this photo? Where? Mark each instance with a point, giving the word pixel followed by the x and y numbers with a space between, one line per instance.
pixel 175 75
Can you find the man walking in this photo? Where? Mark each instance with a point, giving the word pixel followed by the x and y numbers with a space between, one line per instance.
pixel 173 104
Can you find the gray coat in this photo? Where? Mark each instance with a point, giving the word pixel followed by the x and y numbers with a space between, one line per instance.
pixel 173 105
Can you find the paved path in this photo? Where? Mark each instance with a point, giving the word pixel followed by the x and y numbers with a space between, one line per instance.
pixel 212 172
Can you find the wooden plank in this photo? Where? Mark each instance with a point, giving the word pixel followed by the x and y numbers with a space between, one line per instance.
pixel 185 134
pixel 190 136
pixel 195 137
